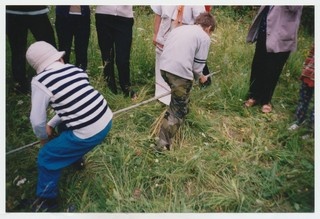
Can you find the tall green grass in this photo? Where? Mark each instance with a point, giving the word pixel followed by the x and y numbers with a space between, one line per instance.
pixel 225 158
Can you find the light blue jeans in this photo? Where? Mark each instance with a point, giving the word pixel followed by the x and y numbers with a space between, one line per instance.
pixel 59 153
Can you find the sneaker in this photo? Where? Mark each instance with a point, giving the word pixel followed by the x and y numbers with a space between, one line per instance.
pixel 293 127
pixel 162 149
pixel 306 137
pixel 45 205
pixel 130 93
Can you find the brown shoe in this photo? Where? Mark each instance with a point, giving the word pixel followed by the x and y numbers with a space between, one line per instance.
pixel 250 102
pixel 266 108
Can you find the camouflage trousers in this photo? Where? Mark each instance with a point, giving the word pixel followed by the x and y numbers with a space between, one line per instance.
pixel 177 110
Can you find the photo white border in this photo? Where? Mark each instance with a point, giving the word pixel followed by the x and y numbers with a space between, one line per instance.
pixel 5 215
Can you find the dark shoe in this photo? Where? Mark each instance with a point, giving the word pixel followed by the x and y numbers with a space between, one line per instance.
pixel 71 208
pixel 45 205
pixel 130 93
pixel 79 164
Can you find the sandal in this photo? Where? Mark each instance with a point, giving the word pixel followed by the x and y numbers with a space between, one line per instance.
pixel 266 108
pixel 250 102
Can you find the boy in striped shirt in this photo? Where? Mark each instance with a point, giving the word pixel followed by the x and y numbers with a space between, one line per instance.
pixel 79 108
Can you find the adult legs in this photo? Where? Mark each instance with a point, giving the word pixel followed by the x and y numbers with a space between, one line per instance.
pixel 17 32
pixel 257 70
pixel 123 41
pixel 41 29
pixel 106 45
pixel 265 71
pixel 81 40
pixel 64 29
pixel 274 63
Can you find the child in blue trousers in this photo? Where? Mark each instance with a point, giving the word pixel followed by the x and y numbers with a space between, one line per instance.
pixel 80 108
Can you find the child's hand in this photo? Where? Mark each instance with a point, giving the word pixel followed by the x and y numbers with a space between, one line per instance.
pixel 203 79
pixel 50 132
pixel 43 141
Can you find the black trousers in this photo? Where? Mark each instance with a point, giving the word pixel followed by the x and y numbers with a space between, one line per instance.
pixel 75 27
pixel 265 71
pixel 17 27
pixel 115 39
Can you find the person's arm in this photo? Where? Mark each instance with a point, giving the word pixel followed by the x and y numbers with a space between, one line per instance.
pixel 54 122
pixel 200 60
pixel 38 115
pixel 157 21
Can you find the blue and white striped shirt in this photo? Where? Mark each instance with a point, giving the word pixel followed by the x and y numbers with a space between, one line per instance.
pixel 76 103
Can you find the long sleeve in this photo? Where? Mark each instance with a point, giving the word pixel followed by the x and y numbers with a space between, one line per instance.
pixel 200 58
pixel 164 25
pixel 38 116
pixel 54 121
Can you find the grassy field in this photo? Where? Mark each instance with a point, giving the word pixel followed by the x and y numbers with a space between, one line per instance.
pixel 225 158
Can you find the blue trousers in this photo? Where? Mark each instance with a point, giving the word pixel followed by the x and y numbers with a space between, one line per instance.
pixel 59 153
